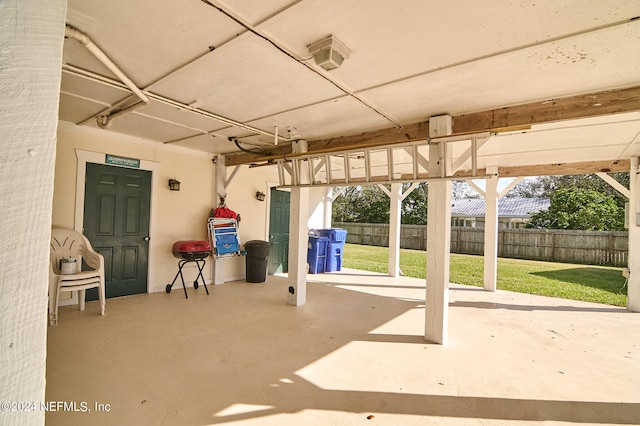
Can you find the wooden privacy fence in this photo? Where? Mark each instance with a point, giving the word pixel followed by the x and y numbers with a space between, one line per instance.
pixel 585 247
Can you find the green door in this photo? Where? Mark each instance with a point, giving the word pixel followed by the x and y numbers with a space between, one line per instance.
pixel 279 231
pixel 116 222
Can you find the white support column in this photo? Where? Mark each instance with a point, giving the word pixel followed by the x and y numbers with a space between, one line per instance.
pixel 298 236
pixel 491 232
pixel 394 229
pixel 298 240
pixel 328 207
pixel 438 248
pixel 219 189
pixel 438 239
pixel 330 197
pixel 633 290
pixel 32 34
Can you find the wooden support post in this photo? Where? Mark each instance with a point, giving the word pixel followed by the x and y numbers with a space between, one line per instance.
pixel 491 233
pixel 394 229
pixel 633 290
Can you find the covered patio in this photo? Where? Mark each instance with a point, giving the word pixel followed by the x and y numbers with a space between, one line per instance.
pixel 290 99
pixel 242 356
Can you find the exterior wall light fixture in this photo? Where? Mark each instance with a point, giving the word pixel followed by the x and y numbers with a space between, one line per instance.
pixel 174 185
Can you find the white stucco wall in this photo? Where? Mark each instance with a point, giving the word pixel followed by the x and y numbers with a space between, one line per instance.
pixel 241 198
pixel 31 36
pixel 175 215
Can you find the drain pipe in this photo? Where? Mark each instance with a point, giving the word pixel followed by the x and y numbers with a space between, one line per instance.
pixel 105 120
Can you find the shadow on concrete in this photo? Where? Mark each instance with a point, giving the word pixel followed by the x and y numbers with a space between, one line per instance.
pixel 514 307
pixel 187 361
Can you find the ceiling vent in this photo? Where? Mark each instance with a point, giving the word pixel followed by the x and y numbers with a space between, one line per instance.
pixel 328 53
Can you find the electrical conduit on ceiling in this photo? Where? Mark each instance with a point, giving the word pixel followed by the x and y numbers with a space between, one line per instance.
pixel 79 72
pixel 105 120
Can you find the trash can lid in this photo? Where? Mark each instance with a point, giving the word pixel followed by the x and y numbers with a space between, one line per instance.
pixel 257 243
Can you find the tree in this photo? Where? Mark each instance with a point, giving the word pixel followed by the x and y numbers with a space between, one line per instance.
pixel 578 208
pixel 462 190
pixel 342 208
pixel 368 204
pixel 544 186
pixel 414 206
pixel 594 183
pixel 532 187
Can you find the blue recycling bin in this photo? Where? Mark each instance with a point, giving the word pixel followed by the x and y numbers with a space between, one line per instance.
pixel 334 256
pixel 335 247
pixel 317 254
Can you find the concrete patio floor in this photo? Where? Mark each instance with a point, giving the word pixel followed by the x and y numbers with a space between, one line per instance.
pixel 353 355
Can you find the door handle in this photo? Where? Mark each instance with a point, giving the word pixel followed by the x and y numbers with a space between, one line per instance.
pixel 146 238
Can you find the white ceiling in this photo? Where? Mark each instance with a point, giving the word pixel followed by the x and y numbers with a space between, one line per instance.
pixel 409 60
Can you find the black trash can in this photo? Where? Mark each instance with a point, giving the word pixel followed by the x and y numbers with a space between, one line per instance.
pixel 257 260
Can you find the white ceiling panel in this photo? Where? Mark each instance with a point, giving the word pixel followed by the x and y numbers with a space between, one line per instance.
pixel 219 143
pixel 589 143
pixel 587 63
pixel 207 143
pixel 256 11
pixel 74 109
pixel 76 54
pixel 615 119
pixel 99 93
pixel 183 117
pixel 582 138
pixel 248 79
pixel 390 40
pixel 149 38
pixel 556 155
pixel 247 61
pixel 147 128
pixel 327 119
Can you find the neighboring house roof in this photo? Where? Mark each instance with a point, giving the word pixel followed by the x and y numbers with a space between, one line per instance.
pixel 507 207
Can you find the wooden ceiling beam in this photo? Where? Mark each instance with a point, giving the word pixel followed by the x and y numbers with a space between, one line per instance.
pixel 495 120
pixel 584 106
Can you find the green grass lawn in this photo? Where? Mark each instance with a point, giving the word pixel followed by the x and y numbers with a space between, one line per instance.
pixel 589 283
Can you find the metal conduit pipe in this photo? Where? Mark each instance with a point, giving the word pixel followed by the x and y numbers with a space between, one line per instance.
pixel 105 120
pixel 79 72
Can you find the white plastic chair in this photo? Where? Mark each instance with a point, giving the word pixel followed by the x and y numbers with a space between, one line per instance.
pixel 66 243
